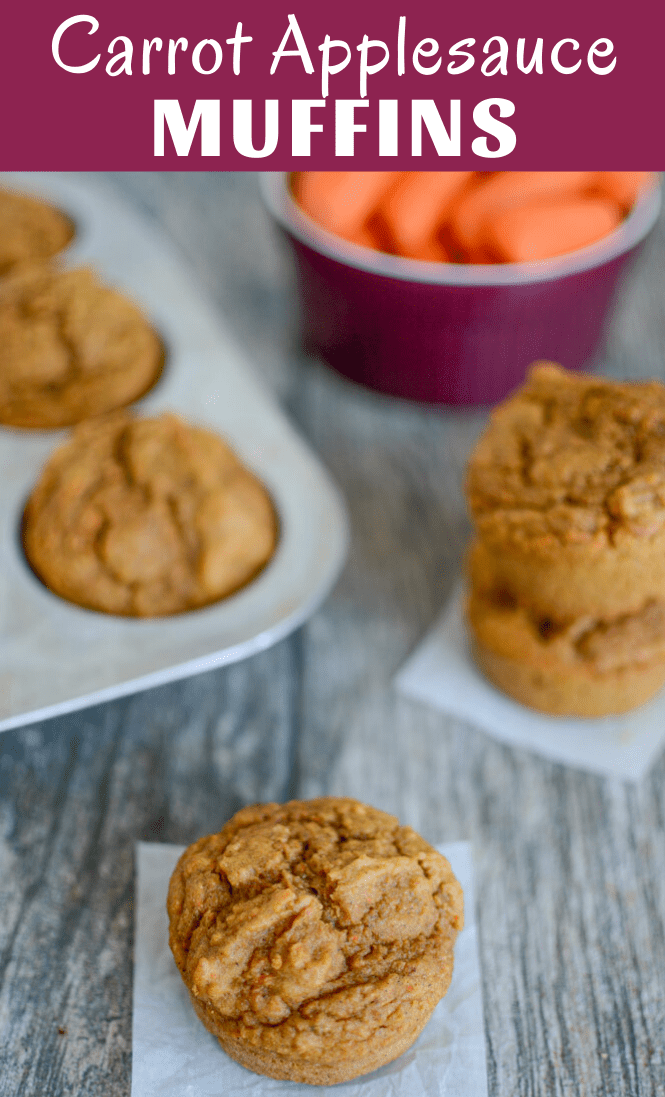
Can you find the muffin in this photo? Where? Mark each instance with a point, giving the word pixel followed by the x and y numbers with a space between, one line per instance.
pixel 70 348
pixel 30 230
pixel 314 937
pixel 567 494
pixel 581 666
pixel 567 572
pixel 147 517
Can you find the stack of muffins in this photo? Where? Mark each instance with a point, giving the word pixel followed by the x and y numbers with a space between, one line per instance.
pixel 567 570
pixel 139 517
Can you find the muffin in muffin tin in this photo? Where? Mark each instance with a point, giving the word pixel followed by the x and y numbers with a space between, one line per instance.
pixel 70 348
pixel 147 517
pixel 30 230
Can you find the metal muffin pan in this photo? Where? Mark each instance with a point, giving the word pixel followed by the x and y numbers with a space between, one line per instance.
pixel 56 657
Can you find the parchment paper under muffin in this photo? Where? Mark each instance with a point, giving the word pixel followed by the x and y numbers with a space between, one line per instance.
pixel 314 937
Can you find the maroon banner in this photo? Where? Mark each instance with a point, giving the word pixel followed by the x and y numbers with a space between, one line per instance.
pixel 285 85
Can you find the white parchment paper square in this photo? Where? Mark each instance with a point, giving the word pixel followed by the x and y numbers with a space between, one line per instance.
pixel 174 1056
pixel 442 673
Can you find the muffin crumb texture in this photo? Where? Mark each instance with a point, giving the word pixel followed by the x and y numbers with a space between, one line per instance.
pixel 146 517
pixel 70 348
pixel 315 937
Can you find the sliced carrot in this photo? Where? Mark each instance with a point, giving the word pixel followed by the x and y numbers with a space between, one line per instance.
pixel 622 186
pixel 545 228
pixel 507 189
pixel 342 201
pixel 473 217
pixel 417 205
pixel 430 251
pixel 365 237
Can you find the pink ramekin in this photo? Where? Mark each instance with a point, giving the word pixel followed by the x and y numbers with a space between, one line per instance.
pixel 446 333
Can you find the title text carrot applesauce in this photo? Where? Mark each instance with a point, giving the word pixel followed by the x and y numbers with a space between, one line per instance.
pixel 299 120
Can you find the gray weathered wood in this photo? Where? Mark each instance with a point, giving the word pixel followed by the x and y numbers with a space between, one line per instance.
pixel 570 868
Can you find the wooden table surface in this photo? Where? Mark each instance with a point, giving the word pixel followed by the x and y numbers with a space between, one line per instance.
pixel 570 868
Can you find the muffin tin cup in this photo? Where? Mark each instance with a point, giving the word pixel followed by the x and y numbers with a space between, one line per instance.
pixel 443 333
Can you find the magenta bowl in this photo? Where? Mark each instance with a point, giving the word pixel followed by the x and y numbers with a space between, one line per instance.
pixel 448 333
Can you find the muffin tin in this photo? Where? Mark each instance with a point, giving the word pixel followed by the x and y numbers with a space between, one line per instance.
pixel 56 657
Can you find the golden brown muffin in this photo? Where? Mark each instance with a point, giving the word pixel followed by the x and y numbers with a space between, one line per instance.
pixel 567 494
pixel 146 517
pixel 578 667
pixel 314 937
pixel 70 348
pixel 30 230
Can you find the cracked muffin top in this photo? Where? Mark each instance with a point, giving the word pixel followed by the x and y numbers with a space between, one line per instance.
pixel 70 348
pixel 571 459
pixel 146 517
pixel 312 928
pixel 30 230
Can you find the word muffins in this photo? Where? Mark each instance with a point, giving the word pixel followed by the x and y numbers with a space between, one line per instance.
pixel 567 571
pixel 147 517
pixel 314 937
